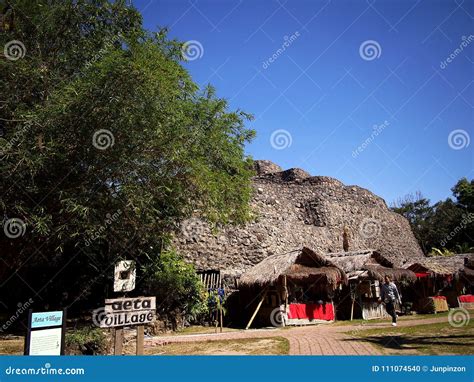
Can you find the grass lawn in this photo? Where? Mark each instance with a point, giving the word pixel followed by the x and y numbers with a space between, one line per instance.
pixel 430 339
pixel 248 346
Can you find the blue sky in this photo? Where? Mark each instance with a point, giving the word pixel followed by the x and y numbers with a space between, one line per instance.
pixel 405 67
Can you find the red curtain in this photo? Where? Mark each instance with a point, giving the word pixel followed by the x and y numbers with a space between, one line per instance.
pixel 466 298
pixel 423 274
pixel 312 311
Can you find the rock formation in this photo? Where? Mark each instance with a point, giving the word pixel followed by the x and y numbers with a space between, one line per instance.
pixel 294 209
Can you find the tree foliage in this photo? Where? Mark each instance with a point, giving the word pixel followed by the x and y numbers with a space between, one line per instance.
pixel 446 226
pixel 107 142
pixel 175 283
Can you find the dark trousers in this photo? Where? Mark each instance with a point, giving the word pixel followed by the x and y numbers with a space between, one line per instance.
pixel 390 307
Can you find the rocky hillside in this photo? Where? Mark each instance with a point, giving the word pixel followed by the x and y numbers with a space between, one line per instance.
pixel 295 209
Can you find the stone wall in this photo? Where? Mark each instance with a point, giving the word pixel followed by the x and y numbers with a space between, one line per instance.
pixel 293 210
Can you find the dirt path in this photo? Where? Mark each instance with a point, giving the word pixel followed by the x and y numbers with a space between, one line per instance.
pixel 305 340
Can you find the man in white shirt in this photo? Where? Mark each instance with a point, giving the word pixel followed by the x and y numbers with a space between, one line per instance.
pixel 389 295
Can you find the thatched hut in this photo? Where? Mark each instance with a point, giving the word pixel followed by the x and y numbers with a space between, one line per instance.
pixel 441 281
pixel 366 270
pixel 291 288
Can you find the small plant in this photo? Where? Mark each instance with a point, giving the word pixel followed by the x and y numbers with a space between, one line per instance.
pixel 86 341
pixel 216 306
pixel 441 252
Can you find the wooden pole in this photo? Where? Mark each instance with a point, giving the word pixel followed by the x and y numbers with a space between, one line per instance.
pixel 279 290
pixel 118 346
pixel 258 308
pixel 221 316
pixel 352 308
pixel 140 339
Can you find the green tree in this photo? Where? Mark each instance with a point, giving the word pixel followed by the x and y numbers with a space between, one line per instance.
pixel 417 210
pixel 107 144
pixel 447 226
pixel 463 191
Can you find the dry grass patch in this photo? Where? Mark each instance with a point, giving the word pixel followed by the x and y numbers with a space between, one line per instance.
pixel 248 346
pixel 12 345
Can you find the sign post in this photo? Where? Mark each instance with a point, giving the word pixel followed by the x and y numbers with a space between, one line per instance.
pixel 46 333
pixel 121 312
pixel 135 311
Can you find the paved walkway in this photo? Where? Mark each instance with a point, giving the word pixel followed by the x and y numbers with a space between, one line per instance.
pixel 324 339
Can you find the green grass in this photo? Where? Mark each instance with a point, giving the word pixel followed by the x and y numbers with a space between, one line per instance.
pixel 400 318
pixel 429 339
pixel 247 346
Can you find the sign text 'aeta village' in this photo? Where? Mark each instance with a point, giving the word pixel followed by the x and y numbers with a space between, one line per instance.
pixel 128 311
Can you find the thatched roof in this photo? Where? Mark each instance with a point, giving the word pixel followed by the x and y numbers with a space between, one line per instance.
pixel 301 264
pixel 439 265
pixel 369 264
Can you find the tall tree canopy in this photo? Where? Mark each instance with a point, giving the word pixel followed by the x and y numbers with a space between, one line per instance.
pixel 107 143
pixel 446 225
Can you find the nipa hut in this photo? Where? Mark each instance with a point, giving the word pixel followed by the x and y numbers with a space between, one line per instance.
pixel 294 288
pixel 443 282
pixel 366 270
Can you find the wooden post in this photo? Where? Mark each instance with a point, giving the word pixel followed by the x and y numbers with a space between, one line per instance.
pixel 352 308
pixel 279 291
pixel 118 346
pixel 221 317
pixel 258 308
pixel 140 339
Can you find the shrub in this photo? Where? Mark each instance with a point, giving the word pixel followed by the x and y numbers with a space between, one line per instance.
pixel 87 341
pixel 175 284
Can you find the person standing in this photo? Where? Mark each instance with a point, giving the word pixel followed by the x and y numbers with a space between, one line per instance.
pixel 390 296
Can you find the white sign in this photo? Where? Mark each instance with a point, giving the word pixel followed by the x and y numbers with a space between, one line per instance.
pixel 45 342
pixel 128 311
pixel 124 276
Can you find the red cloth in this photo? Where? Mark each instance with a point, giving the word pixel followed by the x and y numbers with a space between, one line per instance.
pixel 424 274
pixel 466 298
pixel 439 297
pixel 312 311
